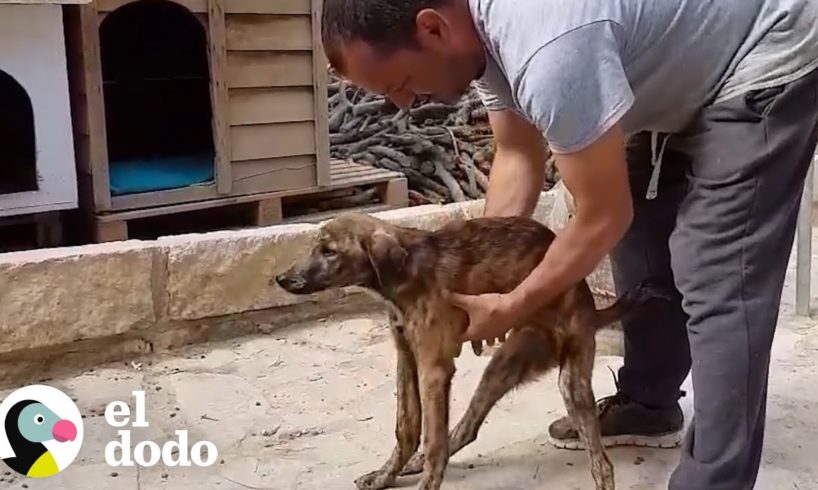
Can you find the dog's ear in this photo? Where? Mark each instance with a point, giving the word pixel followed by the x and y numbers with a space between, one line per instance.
pixel 386 255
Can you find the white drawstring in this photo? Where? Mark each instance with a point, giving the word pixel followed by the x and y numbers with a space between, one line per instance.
pixel 656 160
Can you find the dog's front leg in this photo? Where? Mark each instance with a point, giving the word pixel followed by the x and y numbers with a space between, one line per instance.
pixel 407 420
pixel 436 372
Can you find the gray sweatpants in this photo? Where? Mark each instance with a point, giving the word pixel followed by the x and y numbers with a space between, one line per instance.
pixel 721 228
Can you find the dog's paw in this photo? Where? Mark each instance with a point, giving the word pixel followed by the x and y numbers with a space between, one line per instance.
pixel 414 466
pixel 375 480
pixel 429 483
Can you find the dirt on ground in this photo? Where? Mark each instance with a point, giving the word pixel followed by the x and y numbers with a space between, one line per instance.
pixel 312 407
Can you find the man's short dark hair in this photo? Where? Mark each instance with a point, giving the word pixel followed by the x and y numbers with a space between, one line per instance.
pixel 383 24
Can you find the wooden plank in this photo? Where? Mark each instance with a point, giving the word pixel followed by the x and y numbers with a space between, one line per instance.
pixel 247 32
pixel 229 201
pixel 325 215
pixel 312 196
pixel 92 66
pixel 364 172
pixel 276 174
pixel 163 198
pixel 361 171
pixel 320 76
pixel 82 153
pixel 348 173
pixel 336 168
pixel 197 6
pixel 340 164
pixel 123 217
pixel 356 166
pixel 110 231
pixel 343 171
pixel 268 7
pixel 356 180
pixel 268 212
pixel 272 140
pixel 193 206
pixel 76 92
pixel 256 168
pixel 79 118
pixel 271 105
pixel 219 95
pixel 268 69
pixel 395 192
pixel 85 190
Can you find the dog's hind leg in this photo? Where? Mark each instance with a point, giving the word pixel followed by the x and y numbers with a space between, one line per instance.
pixel 524 356
pixel 575 386
pixel 407 420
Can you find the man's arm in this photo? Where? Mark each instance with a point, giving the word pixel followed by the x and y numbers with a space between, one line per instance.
pixel 518 168
pixel 597 178
pixel 576 90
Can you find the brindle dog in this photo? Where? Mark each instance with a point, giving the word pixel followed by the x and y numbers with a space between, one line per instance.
pixel 413 270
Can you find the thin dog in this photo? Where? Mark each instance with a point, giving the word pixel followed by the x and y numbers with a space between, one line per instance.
pixel 413 271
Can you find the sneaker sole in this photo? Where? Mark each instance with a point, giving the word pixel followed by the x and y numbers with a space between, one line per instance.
pixel 661 441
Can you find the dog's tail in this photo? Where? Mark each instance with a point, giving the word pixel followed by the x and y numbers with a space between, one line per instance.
pixel 642 294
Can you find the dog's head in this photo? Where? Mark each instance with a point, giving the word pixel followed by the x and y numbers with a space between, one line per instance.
pixel 353 249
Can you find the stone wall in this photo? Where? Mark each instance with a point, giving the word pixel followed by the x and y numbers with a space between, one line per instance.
pixel 136 289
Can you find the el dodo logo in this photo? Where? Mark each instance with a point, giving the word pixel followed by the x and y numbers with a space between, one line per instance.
pixel 148 453
pixel 41 431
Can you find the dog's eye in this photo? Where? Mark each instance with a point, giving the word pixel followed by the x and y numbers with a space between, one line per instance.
pixel 326 251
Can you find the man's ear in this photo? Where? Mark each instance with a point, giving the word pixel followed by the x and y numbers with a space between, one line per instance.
pixel 432 28
pixel 386 254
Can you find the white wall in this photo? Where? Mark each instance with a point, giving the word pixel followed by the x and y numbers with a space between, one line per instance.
pixel 32 50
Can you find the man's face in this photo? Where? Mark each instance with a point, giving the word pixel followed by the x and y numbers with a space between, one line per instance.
pixel 440 65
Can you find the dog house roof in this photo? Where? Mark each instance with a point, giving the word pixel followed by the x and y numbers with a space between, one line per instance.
pixel 40 2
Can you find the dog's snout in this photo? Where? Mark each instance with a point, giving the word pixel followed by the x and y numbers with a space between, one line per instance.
pixel 292 283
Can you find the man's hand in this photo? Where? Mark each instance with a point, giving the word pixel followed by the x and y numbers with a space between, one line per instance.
pixel 490 315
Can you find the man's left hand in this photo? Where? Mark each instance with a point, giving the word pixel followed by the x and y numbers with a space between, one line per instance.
pixel 491 315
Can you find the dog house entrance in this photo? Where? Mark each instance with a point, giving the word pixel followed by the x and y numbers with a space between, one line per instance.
pixel 156 85
pixel 18 154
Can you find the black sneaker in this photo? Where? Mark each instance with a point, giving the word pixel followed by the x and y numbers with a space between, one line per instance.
pixel 624 422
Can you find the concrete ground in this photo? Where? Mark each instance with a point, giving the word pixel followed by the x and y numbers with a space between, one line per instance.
pixel 312 407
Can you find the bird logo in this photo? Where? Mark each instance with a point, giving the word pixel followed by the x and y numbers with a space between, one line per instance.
pixel 41 429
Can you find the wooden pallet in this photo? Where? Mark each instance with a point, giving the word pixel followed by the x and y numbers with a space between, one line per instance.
pixel 267 209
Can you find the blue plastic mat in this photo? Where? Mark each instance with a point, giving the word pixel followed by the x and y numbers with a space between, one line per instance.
pixel 146 175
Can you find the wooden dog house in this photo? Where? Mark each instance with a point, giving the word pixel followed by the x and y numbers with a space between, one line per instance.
pixel 37 167
pixel 186 101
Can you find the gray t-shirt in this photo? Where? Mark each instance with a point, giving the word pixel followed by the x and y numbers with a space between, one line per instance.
pixel 575 67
